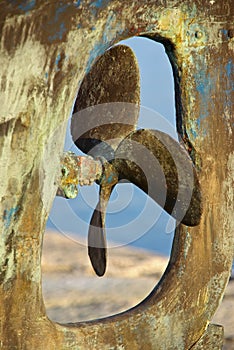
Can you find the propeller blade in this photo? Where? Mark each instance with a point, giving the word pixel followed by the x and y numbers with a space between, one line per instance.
pixel 97 234
pixel 105 112
pixel 162 168
pixel 107 104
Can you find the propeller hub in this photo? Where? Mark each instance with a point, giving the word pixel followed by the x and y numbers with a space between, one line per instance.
pixel 84 171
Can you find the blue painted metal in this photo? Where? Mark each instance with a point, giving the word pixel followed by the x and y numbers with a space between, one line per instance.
pixel 27 6
pixel 8 215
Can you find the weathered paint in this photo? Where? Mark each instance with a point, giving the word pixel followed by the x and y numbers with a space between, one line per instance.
pixel 59 34
pixel 32 109
pixel 59 11
pixel 77 3
pixel 58 58
pixel 106 39
pixel 230 87
pixel 99 3
pixel 97 50
pixel 8 215
pixel 27 5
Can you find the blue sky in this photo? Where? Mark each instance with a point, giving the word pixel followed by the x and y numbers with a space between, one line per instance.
pixel 133 218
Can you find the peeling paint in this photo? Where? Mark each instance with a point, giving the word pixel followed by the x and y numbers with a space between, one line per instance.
pixel 98 49
pixel 27 60
pixel 27 6
pixel 58 58
pixel 105 42
pixel 8 215
pixel 193 132
pixel 60 10
pixel 204 85
pixel 99 3
pixel 59 34
pixel 225 33
pixel 77 3
pixel 96 6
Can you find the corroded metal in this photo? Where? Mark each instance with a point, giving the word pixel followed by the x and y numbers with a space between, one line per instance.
pixel 77 170
pixel 106 110
pixel 150 159
pixel 85 170
pixel 46 50
pixel 112 84
pixel 161 167
pixel 105 113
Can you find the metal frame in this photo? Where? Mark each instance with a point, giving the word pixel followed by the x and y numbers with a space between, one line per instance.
pixel 46 50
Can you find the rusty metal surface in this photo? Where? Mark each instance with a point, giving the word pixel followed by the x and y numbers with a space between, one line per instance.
pixel 46 50
pixel 161 167
pixel 152 160
pixel 106 110
pixel 113 83
pixel 77 170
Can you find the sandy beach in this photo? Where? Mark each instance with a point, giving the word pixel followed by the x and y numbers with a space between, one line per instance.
pixel 72 292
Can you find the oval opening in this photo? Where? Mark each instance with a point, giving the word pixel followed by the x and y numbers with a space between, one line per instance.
pixel 72 292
